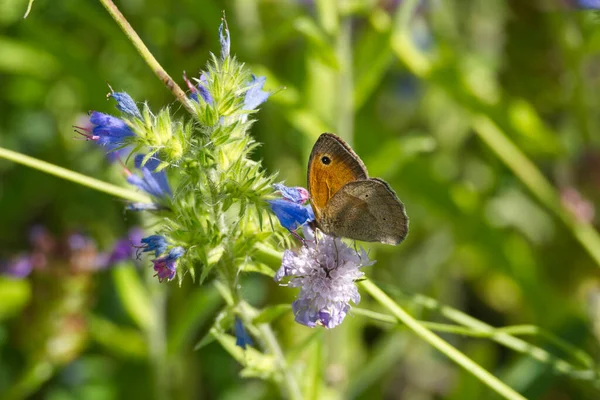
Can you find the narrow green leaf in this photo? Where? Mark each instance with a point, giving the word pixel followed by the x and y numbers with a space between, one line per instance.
pixel 134 296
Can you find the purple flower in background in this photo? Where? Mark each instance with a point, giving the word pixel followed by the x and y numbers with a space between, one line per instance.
pixel 255 96
pixel 156 243
pixel 326 273
pixel 19 267
pixel 587 4
pixel 166 266
pixel 123 249
pixel 242 339
pixel 152 182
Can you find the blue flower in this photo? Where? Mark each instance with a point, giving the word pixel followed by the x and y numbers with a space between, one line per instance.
pixel 291 210
pixel 224 40
pixel 126 104
pixel 156 243
pixel 152 182
pixel 166 266
pixel 296 194
pixel 291 215
pixel 255 96
pixel 201 88
pixel 242 339
pixel 108 131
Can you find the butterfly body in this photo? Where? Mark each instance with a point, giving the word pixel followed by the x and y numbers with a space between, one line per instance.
pixel 346 202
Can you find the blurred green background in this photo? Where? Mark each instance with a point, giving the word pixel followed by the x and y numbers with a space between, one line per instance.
pixel 480 241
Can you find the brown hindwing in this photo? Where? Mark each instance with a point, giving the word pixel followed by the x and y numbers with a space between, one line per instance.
pixel 367 210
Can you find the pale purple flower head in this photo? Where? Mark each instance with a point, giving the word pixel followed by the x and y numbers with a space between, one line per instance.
pixel 325 270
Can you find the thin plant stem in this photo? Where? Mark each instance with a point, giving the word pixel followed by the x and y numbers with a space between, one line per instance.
pixel 578 354
pixel 444 347
pixel 157 339
pixel 290 385
pixel 31 380
pixel 505 338
pixel 289 381
pixel 531 176
pixel 73 176
pixel 137 42
pixel 345 124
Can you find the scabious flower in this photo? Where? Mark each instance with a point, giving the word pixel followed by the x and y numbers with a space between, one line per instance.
pixel 152 182
pixel 291 210
pixel 166 266
pixel 242 339
pixel 325 270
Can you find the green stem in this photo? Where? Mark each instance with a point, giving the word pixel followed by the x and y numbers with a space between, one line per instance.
pixel 268 339
pixel 345 125
pixel 32 379
pixel 578 354
pixel 528 173
pixel 271 343
pixel 157 339
pixel 503 338
pixel 147 56
pixel 73 176
pixel 440 344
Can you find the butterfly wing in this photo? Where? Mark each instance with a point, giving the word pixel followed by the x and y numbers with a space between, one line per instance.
pixel 367 210
pixel 331 165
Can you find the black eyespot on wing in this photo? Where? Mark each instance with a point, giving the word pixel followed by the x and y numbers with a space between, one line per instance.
pixel 326 160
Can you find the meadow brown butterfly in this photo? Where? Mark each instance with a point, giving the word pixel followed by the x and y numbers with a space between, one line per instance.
pixel 347 203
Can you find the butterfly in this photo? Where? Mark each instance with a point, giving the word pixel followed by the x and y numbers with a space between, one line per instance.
pixel 346 202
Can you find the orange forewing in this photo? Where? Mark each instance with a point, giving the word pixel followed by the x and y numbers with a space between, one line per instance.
pixel 331 165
